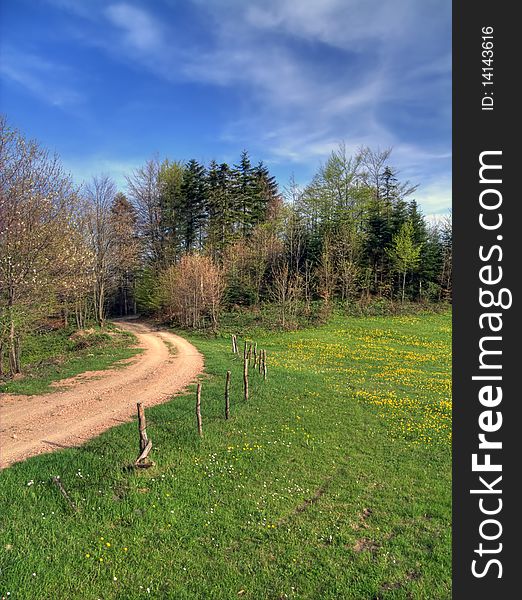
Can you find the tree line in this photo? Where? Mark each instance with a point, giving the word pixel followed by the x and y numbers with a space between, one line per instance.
pixel 185 240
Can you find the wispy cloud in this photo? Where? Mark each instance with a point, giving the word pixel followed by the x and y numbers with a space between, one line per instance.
pixel 302 76
pixel 141 31
pixel 42 78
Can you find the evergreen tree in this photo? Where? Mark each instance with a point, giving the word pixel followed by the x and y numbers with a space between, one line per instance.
pixel 220 209
pixel 377 240
pixel 193 206
pixel 171 207
pixel 266 192
pixel 430 249
pixel 245 192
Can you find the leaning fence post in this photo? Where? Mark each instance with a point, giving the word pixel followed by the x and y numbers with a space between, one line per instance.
pixel 198 409
pixel 145 443
pixel 227 396
pixel 245 377
pixel 142 427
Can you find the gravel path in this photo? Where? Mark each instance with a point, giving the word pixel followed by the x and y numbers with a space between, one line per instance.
pixel 96 401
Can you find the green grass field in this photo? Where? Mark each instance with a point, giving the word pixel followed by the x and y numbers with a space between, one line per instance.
pixel 55 355
pixel 332 482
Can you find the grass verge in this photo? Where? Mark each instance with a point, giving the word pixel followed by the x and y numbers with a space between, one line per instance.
pixel 54 355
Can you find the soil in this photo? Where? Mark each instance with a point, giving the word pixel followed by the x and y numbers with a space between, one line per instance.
pixel 95 401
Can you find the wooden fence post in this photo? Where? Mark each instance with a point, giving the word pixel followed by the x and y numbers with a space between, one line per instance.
pixel 264 364
pixel 145 443
pixel 245 351
pixel 260 361
pixel 227 396
pixel 255 355
pixel 198 409
pixel 142 427
pixel 245 378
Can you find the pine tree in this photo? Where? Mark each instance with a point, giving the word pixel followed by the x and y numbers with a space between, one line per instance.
pixel 428 266
pixel 193 206
pixel 245 191
pixel 171 208
pixel 377 240
pixel 266 193
pixel 220 209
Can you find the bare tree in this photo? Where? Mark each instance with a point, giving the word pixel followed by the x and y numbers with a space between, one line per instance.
pixel 325 273
pixel 126 250
pixel 144 187
pixel 446 235
pixel 192 290
pixel 74 276
pixel 100 193
pixel 286 290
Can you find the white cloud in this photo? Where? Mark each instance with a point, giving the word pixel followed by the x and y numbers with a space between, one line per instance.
pixel 46 80
pixel 390 59
pixel 435 198
pixel 140 29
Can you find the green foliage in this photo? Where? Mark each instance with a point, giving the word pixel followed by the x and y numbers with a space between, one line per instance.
pixel 171 177
pixel 404 252
pixel 239 294
pixel 349 218
pixel 147 292
pixel 342 237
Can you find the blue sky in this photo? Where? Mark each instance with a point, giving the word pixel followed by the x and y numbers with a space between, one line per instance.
pixel 108 84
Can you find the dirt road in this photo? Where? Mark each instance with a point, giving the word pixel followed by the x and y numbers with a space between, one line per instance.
pixel 94 402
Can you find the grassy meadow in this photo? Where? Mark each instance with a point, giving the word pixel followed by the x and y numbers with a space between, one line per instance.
pixel 332 482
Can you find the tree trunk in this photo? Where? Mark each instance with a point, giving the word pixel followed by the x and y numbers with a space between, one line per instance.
pixel 403 285
pixel 125 296
pixel 101 303
pixel 17 355
pixel 12 349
